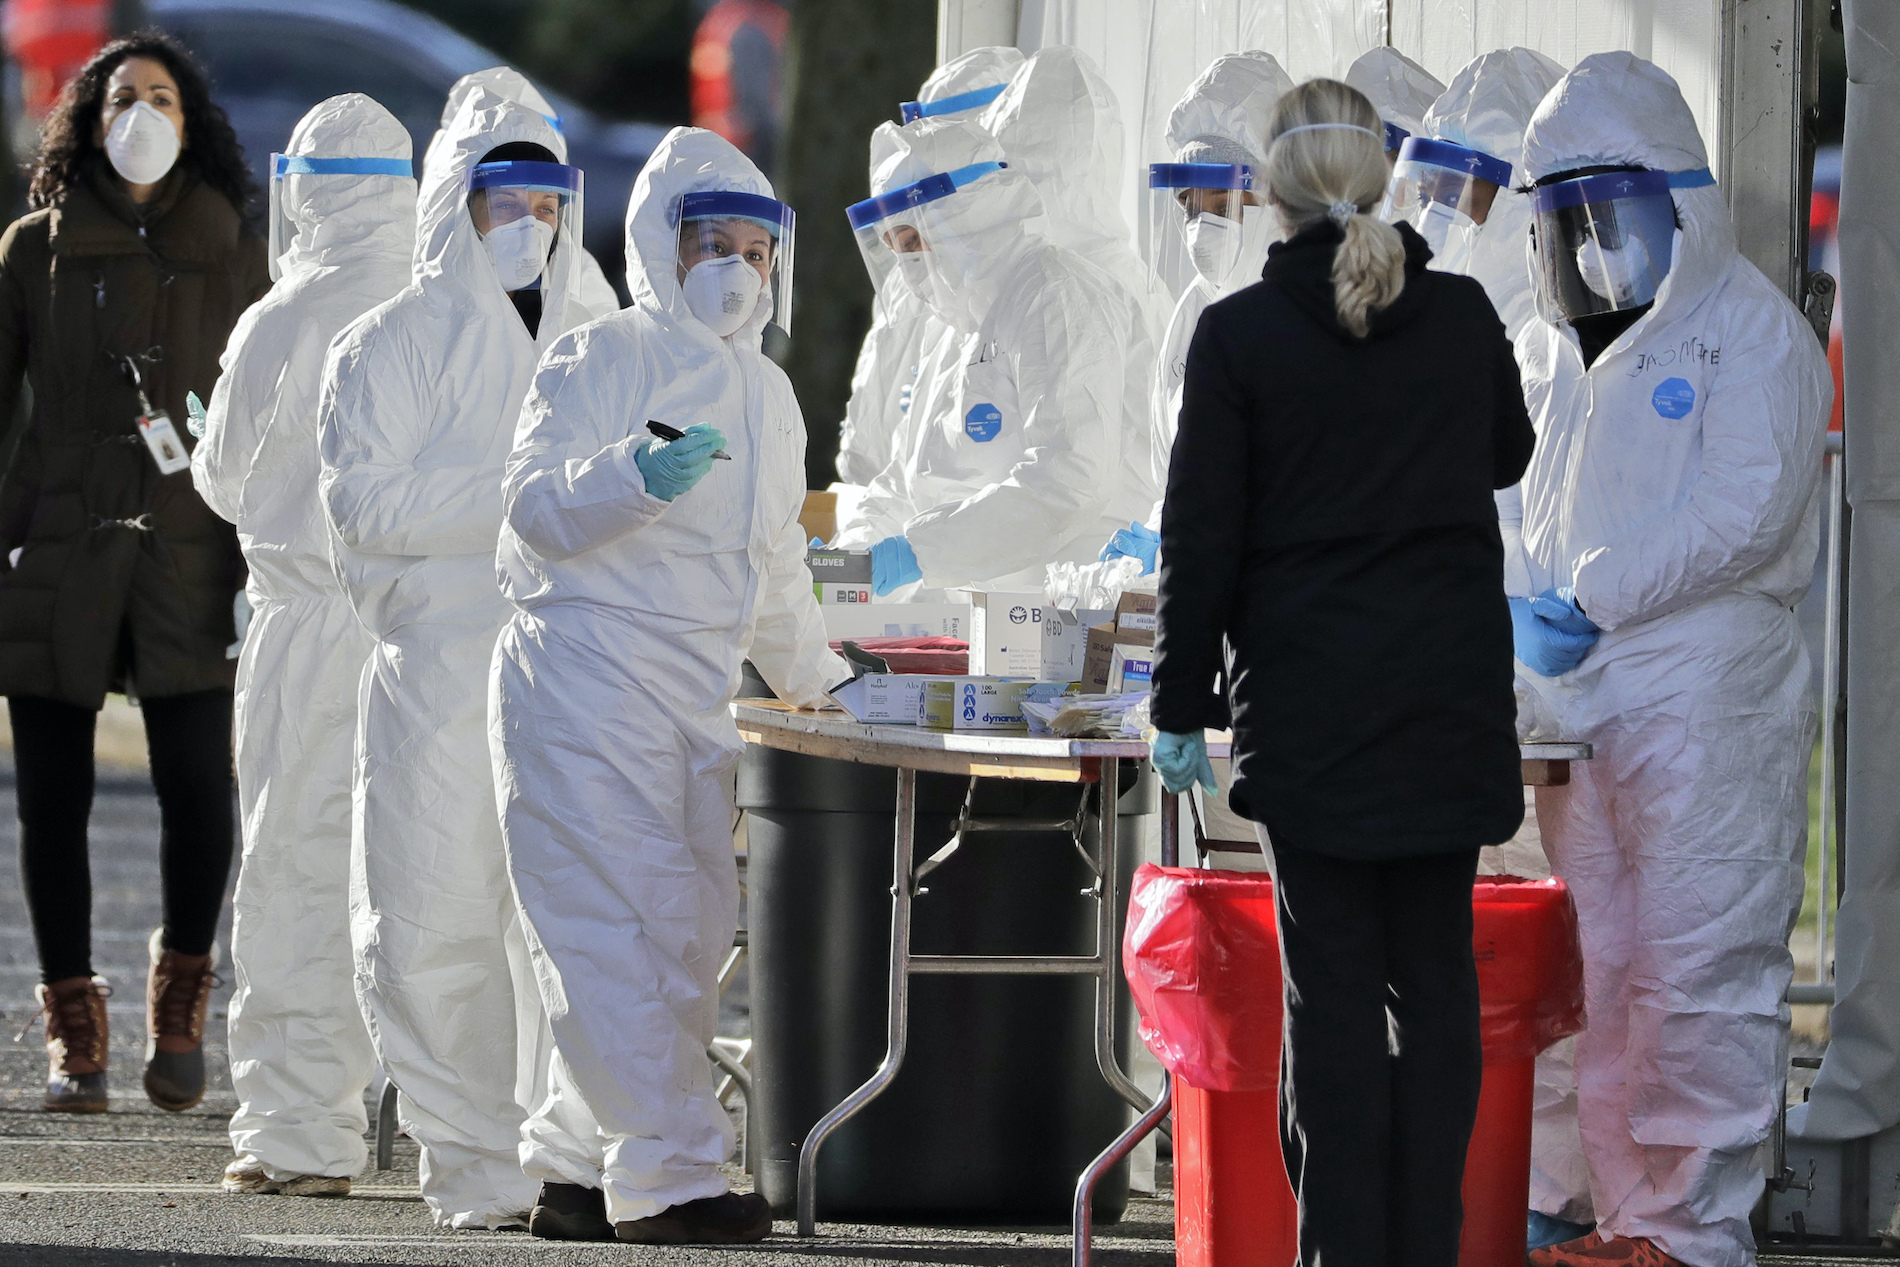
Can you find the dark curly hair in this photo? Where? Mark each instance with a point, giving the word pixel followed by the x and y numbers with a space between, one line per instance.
pixel 66 141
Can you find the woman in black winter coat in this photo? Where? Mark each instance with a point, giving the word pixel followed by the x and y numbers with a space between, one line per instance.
pixel 118 292
pixel 1331 552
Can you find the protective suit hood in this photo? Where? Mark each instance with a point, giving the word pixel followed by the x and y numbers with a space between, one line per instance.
pixel 1399 88
pixel 981 68
pixel 1060 126
pixel 688 160
pixel 981 227
pixel 339 218
pixel 448 248
pixel 1231 100
pixel 510 85
pixel 1615 109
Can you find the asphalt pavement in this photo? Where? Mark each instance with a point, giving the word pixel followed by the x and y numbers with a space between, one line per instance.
pixel 138 1187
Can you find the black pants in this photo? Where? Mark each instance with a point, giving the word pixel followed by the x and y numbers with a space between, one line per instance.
pixel 1382 1054
pixel 189 738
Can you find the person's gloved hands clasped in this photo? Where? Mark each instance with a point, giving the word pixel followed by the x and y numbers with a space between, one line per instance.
pixel 1181 761
pixel 670 467
pixel 893 563
pixel 1136 541
pixel 1550 634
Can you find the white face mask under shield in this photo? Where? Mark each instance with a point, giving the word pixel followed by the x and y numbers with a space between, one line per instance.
pixel 142 145
pixel 722 293
pixel 1617 275
pixel 520 250
pixel 1229 254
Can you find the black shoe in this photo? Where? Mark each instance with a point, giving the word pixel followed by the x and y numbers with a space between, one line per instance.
pixel 570 1212
pixel 727 1219
pixel 175 1080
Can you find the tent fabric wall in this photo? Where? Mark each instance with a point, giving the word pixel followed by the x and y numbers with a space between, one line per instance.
pixel 1857 1091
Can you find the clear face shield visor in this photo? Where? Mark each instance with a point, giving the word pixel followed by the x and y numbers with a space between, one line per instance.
pixel 295 177
pixel 1205 219
pixel 1444 191
pixel 1602 243
pixel 950 107
pixel 736 253
pixel 896 237
pixel 525 212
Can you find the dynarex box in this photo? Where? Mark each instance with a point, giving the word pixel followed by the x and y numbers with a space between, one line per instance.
pixel 973 703
pixel 840 576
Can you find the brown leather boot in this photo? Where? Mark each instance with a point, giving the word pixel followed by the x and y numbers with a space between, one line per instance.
pixel 176 996
pixel 76 1044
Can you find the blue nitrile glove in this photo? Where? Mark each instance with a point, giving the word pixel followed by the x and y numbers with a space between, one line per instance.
pixel 1136 541
pixel 1181 761
pixel 816 543
pixel 670 467
pixel 1543 647
pixel 1559 607
pixel 893 563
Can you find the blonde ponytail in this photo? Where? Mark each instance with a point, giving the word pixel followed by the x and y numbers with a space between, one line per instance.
pixel 1326 160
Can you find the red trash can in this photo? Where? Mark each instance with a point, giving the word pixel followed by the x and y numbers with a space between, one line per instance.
pixel 1202 957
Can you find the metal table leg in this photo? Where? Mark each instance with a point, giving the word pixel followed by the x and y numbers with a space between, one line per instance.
pixel 1081 1220
pixel 898 1031
pixel 1108 941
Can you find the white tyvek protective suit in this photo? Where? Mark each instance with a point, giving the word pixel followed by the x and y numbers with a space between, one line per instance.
pixel 596 294
pixel 300 1057
pixel 1486 108
pixel 420 399
pixel 609 729
pixel 1060 125
pixel 1027 435
pixel 886 371
pixel 1231 101
pixel 1689 539
pixel 1399 88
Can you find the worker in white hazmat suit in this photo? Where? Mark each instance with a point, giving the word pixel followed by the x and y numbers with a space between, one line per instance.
pixel 419 405
pixel 644 574
pixel 1669 524
pixel 886 372
pixel 1059 124
pixel 343 211
pixel 1399 89
pixel 1476 225
pixel 1025 430
pixel 596 294
pixel 1208 210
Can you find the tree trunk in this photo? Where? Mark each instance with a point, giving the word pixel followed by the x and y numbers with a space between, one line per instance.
pixel 850 62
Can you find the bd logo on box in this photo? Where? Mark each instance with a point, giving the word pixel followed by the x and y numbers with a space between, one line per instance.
pixel 983 422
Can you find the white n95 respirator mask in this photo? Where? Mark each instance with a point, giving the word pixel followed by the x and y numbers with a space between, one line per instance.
pixel 1214 244
pixel 1616 274
pixel 723 293
pixel 142 145
pixel 520 250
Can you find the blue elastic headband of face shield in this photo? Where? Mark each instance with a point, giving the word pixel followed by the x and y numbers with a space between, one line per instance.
pixel 721 204
pixel 1394 137
pixel 1455 158
pixel 553 178
pixel 929 189
pixel 975 99
pixel 304 165
pixel 1200 176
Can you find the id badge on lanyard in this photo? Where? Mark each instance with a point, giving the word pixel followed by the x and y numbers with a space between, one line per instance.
pixel 155 428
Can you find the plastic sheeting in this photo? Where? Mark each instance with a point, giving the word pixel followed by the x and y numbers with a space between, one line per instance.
pixel 1857 1091
pixel 1151 49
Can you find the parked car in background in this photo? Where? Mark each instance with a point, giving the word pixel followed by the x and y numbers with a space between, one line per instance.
pixel 271 60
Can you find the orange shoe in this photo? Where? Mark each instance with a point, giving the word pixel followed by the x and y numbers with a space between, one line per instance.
pixel 1594 1251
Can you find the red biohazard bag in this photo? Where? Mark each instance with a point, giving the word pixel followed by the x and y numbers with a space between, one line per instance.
pixel 1202 955
pixel 1530 965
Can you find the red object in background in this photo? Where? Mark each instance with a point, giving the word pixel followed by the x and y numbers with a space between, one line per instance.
pixel 1202 958
pixel 50 40
pixel 1837 361
pixel 949 657
pixel 716 96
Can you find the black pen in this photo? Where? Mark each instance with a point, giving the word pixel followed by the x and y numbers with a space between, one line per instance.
pixel 667 433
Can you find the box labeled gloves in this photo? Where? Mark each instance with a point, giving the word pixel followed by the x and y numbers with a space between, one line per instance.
pixel 840 576
pixel 1006 633
pixel 973 703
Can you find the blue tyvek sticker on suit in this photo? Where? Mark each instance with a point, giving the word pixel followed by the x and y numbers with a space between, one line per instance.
pixel 1673 398
pixel 983 422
